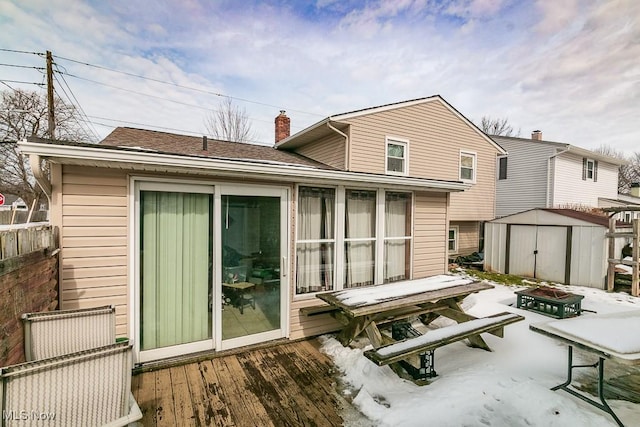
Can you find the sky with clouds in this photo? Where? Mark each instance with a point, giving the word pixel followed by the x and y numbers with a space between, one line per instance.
pixel 570 68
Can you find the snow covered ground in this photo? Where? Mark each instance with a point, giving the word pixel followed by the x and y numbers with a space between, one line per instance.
pixel 509 387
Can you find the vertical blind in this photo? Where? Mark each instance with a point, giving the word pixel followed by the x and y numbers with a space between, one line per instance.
pixel 175 268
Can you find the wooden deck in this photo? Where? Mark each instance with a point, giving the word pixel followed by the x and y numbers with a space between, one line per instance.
pixel 291 384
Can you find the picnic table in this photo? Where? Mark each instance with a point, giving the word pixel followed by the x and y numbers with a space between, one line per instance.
pixel 611 336
pixel 363 310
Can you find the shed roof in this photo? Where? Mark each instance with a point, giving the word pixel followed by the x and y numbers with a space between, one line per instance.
pixel 539 216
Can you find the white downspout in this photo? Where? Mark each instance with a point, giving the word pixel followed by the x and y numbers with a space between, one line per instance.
pixel 38 174
pixel 347 160
pixel 549 175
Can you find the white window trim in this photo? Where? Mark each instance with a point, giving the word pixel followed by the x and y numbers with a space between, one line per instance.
pixel 340 239
pixel 498 169
pixel 475 166
pixel 396 141
pixel 456 236
pixel 593 169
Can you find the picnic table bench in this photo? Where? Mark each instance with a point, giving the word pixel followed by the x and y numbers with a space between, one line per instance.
pixel 440 337
pixel 363 310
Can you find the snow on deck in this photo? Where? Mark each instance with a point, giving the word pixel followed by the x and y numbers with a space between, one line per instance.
pixel 617 332
pixel 373 294
pixel 436 335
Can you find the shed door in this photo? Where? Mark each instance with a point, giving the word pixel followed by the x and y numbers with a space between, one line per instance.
pixel 522 260
pixel 538 251
pixel 552 254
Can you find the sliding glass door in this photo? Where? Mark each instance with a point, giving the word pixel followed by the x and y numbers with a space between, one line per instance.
pixel 175 269
pixel 253 264
pixel 211 267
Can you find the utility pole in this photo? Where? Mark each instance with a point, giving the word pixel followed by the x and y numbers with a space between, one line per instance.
pixel 51 118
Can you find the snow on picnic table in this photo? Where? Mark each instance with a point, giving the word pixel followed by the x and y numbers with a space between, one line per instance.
pixel 372 294
pixel 508 387
pixel 619 332
pixel 440 334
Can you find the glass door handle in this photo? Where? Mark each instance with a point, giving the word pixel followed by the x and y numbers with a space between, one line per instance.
pixel 283 267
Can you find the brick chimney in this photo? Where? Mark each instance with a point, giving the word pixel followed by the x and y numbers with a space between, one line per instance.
pixel 537 135
pixel 635 189
pixel 283 126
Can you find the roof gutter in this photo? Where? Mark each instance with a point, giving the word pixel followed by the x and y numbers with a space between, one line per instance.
pixel 347 145
pixel 230 167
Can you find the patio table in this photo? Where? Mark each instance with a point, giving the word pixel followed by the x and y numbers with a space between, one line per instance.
pixel 611 336
pixel 362 309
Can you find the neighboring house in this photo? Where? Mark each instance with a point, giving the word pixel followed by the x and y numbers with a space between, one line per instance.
pixel 209 245
pixel 12 202
pixel 631 200
pixel 558 245
pixel 545 174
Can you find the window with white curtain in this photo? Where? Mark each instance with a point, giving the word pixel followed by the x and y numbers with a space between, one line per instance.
pixel 315 244
pixel 397 240
pixel 360 238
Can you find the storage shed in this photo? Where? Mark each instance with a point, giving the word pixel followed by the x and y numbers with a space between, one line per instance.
pixel 558 245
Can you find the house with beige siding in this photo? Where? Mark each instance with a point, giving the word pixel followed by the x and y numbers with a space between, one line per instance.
pixel 206 245
pixel 422 138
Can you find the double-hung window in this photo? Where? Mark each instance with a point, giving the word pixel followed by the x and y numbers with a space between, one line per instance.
pixel 359 237
pixel 589 170
pixel 502 167
pixel 396 157
pixel 453 239
pixel 467 167
pixel 397 236
pixel 316 240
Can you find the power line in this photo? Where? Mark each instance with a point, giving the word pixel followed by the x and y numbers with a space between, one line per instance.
pixel 155 127
pixel 22 66
pixel 147 94
pixel 79 110
pixel 208 92
pixel 21 51
pixel 94 131
pixel 21 82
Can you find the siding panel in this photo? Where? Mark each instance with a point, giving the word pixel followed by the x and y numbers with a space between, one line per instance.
pixel 569 190
pixel 329 151
pixel 526 184
pixel 467 237
pixel 436 135
pixel 430 243
pixel 94 236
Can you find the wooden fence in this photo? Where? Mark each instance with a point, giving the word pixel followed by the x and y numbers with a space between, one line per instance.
pixel 21 216
pixel 23 239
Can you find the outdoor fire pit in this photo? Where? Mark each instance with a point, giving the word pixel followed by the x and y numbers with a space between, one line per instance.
pixel 550 301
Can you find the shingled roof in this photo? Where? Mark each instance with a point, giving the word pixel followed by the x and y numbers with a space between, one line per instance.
pixel 171 143
pixel 586 216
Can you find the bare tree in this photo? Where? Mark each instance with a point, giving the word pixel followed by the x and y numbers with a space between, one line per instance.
pixel 229 123
pixel 24 114
pixel 498 126
pixel 627 173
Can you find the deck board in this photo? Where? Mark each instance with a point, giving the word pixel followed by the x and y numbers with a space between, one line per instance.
pixel 290 384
